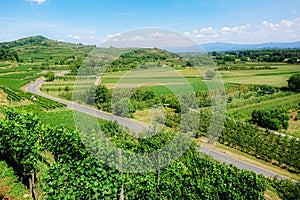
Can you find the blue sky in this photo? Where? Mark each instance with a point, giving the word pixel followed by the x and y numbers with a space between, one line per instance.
pixel 93 21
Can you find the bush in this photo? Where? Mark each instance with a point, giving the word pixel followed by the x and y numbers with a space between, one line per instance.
pixel 294 82
pixel 274 119
pixel 50 76
pixel 286 189
pixel 210 74
pixel 123 108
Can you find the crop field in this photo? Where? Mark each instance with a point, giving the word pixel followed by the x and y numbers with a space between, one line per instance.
pixel 275 77
pixel 288 102
pixel 161 81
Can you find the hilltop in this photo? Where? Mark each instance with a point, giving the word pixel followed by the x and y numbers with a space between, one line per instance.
pixel 41 50
pixel 145 58
pixel 37 40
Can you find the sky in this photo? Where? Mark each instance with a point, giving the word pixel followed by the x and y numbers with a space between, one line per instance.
pixel 204 21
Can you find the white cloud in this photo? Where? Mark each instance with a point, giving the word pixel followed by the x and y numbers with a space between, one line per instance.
pixel 207 30
pixel 226 29
pixel 157 35
pixel 236 29
pixel 286 23
pixel 74 36
pixel 284 31
pixel 37 1
pixel 118 35
pixel 269 25
pixel 187 34
pixel 148 37
pixel 85 38
pixel 137 38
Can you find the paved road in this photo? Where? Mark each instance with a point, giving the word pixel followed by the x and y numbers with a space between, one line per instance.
pixel 133 125
pixel 240 164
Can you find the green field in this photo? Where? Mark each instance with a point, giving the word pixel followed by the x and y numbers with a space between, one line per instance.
pixel 275 77
pixel 289 102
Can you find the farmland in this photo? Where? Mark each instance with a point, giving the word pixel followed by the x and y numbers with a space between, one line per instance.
pixel 155 79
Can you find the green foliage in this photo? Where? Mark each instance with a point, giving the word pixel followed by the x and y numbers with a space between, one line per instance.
pixel 244 58
pixel 142 95
pixel 142 98
pixel 76 174
pixel 204 98
pixel 195 176
pixel 10 186
pixel 281 151
pixel 145 58
pixel 294 82
pixel 75 167
pixel 102 96
pixel 173 102
pixel 8 54
pixel 123 108
pixel 12 95
pixel 260 55
pixel 274 119
pixel 75 65
pixel 293 60
pixel 264 89
pixel 19 95
pixel 229 58
pixel 191 176
pixel 50 76
pixel 19 136
pixel 286 189
pixel 66 95
pixel 38 40
pixel 210 74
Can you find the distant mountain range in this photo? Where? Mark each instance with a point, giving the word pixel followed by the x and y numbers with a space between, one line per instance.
pixel 218 46
pixel 207 47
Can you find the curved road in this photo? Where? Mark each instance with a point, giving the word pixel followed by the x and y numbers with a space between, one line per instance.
pixel 138 127
pixel 133 125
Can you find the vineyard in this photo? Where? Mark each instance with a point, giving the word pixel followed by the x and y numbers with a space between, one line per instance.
pixel 193 176
pixel 18 95
pixel 282 151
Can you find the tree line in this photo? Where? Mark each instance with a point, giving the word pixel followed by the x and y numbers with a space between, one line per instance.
pixel 7 54
pixel 291 56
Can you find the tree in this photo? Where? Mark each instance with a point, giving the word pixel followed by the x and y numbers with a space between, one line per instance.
pixel 293 60
pixel 90 95
pixel 172 102
pixel 214 53
pixel 294 82
pixel 210 74
pixel 274 119
pixel 50 76
pixel 8 54
pixel 102 98
pixel 229 58
pixel 244 58
pixel 123 108
pixel 101 94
